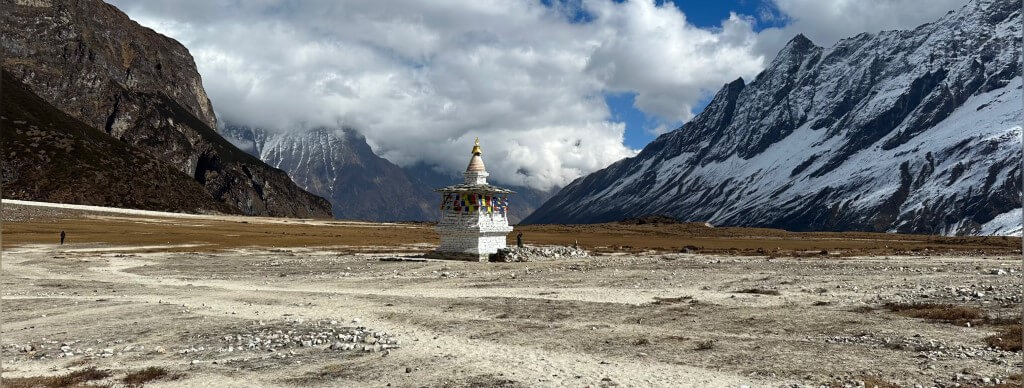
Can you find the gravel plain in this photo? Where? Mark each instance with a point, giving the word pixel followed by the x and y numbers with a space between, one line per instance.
pixel 380 316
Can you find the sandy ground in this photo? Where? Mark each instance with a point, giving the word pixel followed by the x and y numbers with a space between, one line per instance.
pixel 653 318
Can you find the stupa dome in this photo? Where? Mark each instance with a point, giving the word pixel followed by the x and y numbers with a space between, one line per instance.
pixel 476 164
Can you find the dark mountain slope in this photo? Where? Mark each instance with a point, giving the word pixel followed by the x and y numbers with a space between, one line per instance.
pixel 91 61
pixel 340 166
pixel 49 156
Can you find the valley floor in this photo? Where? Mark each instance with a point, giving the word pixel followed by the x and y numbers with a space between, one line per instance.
pixel 208 311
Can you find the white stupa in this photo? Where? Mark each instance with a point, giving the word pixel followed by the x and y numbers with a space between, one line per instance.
pixel 474 215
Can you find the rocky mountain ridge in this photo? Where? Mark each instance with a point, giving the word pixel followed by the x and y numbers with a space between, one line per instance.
pixel 88 59
pixel 52 157
pixel 339 165
pixel 901 131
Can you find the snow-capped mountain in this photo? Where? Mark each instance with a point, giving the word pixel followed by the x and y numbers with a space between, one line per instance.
pixel 908 131
pixel 339 165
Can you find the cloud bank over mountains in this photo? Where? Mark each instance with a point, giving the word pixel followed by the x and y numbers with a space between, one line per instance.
pixel 421 79
pixel 825 22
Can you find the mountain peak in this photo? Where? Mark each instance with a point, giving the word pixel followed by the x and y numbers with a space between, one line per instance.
pixel 800 40
pixel 796 47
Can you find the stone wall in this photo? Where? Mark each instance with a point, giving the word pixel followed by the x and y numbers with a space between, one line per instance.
pixel 477 232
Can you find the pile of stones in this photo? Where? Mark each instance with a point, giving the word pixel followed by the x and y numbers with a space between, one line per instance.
pixel 516 254
pixel 961 379
pixel 931 350
pixel 60 349
pixel 327 335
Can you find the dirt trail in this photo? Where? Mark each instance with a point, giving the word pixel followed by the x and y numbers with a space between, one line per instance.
pixel 531 365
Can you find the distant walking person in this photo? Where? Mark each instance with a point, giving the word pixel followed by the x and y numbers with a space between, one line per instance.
pixel 62 235
pixel 519 240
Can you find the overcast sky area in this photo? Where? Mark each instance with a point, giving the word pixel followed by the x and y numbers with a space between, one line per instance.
pixel 554 89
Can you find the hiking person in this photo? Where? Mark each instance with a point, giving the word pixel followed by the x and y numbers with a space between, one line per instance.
pixel 519 240
pixel 62 235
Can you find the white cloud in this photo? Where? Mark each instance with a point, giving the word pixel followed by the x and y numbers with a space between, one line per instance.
pixel 826 22
pixel 659 129
pixel 420 79
pixel 670 64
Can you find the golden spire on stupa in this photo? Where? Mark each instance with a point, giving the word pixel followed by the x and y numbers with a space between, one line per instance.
pixel 476 164
pixel 476 147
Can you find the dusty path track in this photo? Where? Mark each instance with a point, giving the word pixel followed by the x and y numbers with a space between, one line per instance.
pixel 453 358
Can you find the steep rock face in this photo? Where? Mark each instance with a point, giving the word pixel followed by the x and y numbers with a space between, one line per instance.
pixel 339 165
pixel 91 61
pixel 907 131
pixel 50 156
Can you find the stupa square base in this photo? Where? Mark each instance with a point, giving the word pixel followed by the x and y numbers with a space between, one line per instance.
pixel 459 256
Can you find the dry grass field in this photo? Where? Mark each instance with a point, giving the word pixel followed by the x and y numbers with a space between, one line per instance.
pixel 222 232
pixel 135 300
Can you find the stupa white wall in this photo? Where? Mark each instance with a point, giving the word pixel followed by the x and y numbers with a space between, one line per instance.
pixel 476 233
pixel 473 233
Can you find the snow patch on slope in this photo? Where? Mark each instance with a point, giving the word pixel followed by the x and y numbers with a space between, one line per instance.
pixel 1006 224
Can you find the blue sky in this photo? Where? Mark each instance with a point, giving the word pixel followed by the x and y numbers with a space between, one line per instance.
pixel 703 14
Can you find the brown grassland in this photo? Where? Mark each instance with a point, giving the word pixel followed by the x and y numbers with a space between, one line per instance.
pixel 233 232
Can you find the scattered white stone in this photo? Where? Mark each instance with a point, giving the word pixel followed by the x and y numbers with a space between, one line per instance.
pixel 530 253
